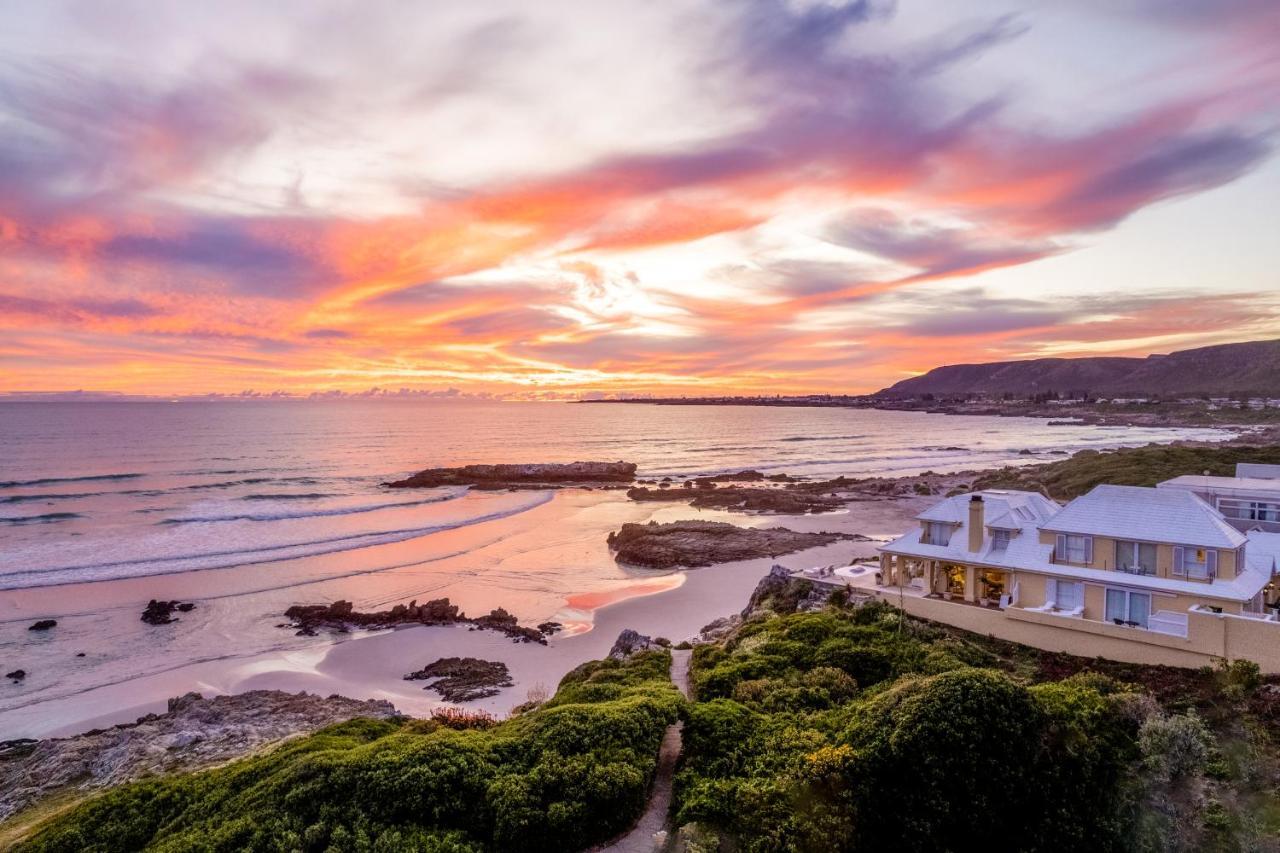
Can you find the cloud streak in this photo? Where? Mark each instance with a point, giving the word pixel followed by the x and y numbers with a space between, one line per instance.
pixel 837 200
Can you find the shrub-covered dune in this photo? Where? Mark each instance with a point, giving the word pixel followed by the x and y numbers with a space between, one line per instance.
pixel 573 772
pixel 856 728
pixel 1131 466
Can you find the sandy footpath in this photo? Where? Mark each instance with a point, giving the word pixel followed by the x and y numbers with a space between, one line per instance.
pixel 371 666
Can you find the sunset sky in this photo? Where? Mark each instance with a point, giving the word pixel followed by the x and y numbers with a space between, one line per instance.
pixel 551 199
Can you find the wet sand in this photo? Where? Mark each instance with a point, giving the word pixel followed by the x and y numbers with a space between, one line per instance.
pixel 548 563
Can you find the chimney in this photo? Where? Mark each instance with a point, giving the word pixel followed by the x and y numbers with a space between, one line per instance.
pixel 977 512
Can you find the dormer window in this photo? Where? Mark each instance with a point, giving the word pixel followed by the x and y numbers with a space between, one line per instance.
pixel 1138 558
pixel 1000 540
pixel 1072 548
pixel 1195 563
pixel 938 533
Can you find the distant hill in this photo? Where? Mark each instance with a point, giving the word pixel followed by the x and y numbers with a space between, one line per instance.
pixel 1245 368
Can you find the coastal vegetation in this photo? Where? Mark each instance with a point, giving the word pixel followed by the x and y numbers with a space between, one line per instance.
pixel 560 777
pixel 1130 466
pixel 859 728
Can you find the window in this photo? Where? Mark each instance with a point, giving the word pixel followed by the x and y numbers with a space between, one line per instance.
pixel 938 533
pixel 1070 595
pixel 1195 563
pixel 1249 510
pixel 1138 558
pixel 999 540
pixel 1075 549
pixel 1130 608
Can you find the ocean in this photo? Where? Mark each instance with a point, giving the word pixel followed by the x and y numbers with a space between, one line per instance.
pixel 99 491
pixel 247 508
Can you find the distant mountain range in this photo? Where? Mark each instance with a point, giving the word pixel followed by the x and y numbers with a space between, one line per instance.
pixel 1245 368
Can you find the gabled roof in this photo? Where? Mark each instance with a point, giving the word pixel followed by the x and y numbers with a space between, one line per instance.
pixel 1003 508
pixel 1148 515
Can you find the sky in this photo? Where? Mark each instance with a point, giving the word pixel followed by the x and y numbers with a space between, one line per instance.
pixel 567 199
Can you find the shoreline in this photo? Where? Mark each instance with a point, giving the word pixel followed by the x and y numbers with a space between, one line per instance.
pixel 565 532
pixel 371 665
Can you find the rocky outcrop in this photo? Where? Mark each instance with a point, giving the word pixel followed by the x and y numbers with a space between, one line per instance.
pixel 630 643
pixel 341 616
pixel 464 679
pixel 161 612
pixel 779 592
pixel 43 625
pixel 536 475
pixel 16 675
pixel 704 543
pixel 194 732
pixel 792 497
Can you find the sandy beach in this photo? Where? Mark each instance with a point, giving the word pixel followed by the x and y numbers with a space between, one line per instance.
pixel 67 695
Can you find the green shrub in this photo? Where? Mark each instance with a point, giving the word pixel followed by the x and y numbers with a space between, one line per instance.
pixel 569 773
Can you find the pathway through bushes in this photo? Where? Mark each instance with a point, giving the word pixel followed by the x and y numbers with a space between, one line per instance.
pixel 641 838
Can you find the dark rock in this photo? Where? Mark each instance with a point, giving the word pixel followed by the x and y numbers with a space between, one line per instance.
pixel 798 498
pixel 17 675
pixel 629 643
pixel 703 543
pixel 340 616
pixel 43 625
pixel 161 612
pixel 534 474
pixel 464 679
pixel 79 654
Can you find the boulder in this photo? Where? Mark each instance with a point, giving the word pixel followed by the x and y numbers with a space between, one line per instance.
pixel 43 625
pixel 630 643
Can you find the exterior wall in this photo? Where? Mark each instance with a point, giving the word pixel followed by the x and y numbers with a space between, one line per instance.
pixel 1210 637
pixel 1104 558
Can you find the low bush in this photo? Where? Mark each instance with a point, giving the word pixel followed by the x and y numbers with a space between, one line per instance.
pixel 572 772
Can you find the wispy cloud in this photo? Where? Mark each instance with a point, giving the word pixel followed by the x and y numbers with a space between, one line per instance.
pixel 769 195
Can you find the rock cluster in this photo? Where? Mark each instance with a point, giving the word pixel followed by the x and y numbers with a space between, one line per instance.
pixel 161 612
pixel 16 675
pixel 464 679
pixel 794 497
pixel 195 732
pixel 703 543
pixel 520 476
pixel 341 616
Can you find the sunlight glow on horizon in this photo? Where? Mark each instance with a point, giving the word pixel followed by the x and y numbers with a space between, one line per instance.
pixel 688 198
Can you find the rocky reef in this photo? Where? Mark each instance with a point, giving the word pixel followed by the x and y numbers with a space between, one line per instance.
pixel 194 732
pixel 789 497
pixel 464 679
pixel 532 475
pixel 161 612
pixel 341 616
pixel 703 543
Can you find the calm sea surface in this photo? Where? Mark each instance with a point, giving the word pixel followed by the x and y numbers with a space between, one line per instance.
pixel 99 491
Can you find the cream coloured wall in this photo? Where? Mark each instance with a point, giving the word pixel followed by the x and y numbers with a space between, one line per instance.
pixel 1104 558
